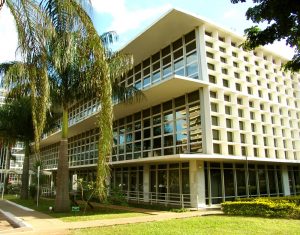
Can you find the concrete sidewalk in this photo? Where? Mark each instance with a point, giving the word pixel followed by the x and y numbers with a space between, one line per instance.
pixel 33 222
pixel 37 223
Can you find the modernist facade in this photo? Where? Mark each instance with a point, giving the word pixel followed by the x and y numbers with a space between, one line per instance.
pixel 216 123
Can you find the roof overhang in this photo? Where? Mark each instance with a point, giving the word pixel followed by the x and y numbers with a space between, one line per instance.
pixel 168 28
pixel 164 90
pixel 203 157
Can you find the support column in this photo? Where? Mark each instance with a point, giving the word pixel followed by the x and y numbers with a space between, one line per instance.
pixel 197 184
pixel 285 180
pixel 146 182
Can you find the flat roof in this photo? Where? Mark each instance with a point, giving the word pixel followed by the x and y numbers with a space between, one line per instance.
pixel 169 27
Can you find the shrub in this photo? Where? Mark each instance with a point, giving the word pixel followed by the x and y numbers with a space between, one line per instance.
pixel 117 197
pixel 14 189
pixel 180 210
pixel 33 191
pixel 262 207
pixel 292 199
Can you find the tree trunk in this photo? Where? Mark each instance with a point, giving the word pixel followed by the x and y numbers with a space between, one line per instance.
pixel 25 172
pixel 7 166
pixel 1 4
pixel 62 200
pixel 105 138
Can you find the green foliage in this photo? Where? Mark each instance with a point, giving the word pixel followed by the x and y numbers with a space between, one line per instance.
pixel 117 197
pixel 291 199
pixel 264 207
pixel 16 120
pixel 33 191
pixel 180 210
pixel 13 188
pixel 88 190
pixel 283 23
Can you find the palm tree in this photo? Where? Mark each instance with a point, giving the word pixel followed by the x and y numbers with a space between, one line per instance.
pixel 76 67
pixel 33 28
pixel 77 64
pixel 47 30
pixel 118 65
pixel 16 125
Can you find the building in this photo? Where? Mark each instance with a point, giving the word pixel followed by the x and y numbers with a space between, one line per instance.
pixel 217 122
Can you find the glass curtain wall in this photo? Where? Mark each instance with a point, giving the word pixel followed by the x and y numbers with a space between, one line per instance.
pixel 173 127
pixel 227 181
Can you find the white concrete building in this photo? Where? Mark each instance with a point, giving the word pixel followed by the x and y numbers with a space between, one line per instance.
pixel 217 122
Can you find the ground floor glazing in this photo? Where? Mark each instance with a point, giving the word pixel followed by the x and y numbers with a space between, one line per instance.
pixel 197 183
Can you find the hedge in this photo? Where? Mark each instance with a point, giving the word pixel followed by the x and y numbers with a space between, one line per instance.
pixel 262 207
pixel 292 199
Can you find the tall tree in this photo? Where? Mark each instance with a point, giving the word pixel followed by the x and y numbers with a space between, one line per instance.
pixel 16 125
pixel 76 66
pixel 33 28
pixel 118 65
pixel 283 23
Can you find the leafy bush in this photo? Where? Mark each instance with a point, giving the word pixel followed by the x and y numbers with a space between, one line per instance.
pixel 13 189
pixel 117 197
pixel 33 191
pixel 262 207
pixel 292 199
pixel 179 210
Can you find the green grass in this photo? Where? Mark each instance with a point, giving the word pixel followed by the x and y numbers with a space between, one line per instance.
pixel 203 225
pixel 96 214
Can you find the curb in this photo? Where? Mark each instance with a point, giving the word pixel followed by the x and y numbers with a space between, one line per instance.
pixel 14 221
pixel 17 205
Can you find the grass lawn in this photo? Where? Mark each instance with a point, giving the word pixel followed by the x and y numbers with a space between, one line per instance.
pixel 203 225
pixel 95 214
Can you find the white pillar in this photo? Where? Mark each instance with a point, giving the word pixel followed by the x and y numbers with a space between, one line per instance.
pixel 146 182
pixel 207 140
pixel 202 63
pixel 197 184
pixel 285 180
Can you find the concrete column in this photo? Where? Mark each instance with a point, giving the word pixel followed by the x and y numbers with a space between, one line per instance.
pixel 207 138
pixel 202 64
pixel 285 180
pixel 146 182
pixel 197 184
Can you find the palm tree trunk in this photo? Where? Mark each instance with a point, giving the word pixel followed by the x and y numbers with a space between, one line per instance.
pixel 62 200
pixel 25 172
pixel 105 138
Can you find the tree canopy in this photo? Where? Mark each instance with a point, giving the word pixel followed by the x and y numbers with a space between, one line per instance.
pixel 283 23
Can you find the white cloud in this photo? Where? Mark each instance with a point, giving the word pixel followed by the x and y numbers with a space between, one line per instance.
pixel 123 19
pixel 8 36
pixel 281 49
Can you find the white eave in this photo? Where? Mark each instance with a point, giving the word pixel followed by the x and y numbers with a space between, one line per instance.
pixel 168 28
pixel 162 91
pixel 203 157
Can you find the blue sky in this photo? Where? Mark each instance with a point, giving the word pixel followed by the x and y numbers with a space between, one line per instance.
pixel 130 17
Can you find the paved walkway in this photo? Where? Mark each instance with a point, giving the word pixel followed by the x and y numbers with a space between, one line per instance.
pixel 38 223
pixel 4 225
